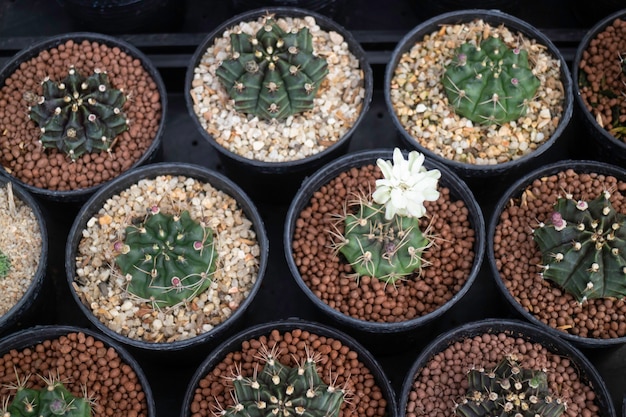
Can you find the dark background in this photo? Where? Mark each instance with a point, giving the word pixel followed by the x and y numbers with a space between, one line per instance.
pixel 378 26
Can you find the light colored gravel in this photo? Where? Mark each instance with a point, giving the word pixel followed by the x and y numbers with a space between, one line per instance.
pixel 101 285
pixel 336 108
pixel 20 240
pixel 422 107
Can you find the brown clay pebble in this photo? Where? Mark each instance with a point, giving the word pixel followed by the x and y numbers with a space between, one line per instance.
pixel 448 261
pixel 82 362
pixel 518 257
pixel 20 150
pixel 346 370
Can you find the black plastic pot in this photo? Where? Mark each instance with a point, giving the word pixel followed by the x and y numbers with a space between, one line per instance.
pixel 512 328
pixel 29 338
pixel 153 151
pixel 277 181
pixel 515 191
pixel 430 8
pixel 330 8
pixel 234 343
pixel 26 311
pixel 382 337
pixel 495 18
pixel 603 145
pixel 589 16
pixel 126 180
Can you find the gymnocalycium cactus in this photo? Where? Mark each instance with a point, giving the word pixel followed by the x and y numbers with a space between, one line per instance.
pixel 52 400
pixel 5 264
pixel 583 246
pixel 80 114
pixel 491 83
pixel 509 390
pixel 382 237
pixel 274 74
pixel 282 391
pixel 169 258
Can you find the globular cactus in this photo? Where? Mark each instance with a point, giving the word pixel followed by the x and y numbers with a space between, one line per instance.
pixel 491 83
pixel 5 265
pixel 274 74
pixel 53 400
pixel 169 258
pixel 583 245
pixel 508 391
pixel 80 114
pixel 279 390
pixel 381 248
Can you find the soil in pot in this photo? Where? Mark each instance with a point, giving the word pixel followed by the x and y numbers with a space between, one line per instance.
pixel 105 290
pixel 518 258
pixel 21 153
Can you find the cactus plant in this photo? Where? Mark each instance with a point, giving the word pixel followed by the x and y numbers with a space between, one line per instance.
pixel 583 247
pixel 52 400
pixel 169 258
pixel 79 114
pixel 490 83
pixel 274 74
pixel 279 390
pixel 5 264
pixel 508 390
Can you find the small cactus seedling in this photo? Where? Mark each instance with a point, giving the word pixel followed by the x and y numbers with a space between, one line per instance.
pixel 80 114
pixel 490 83
pixel 5 264
pixel 53 400
pixel 169 258
pixel 274 74
pixel 508 391
pixel 583 245
pixel 282 391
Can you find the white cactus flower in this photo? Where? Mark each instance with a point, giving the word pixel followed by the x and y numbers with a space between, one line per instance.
pixel 406 185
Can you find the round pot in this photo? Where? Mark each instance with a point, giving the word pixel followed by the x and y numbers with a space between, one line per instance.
pixel 589 16
pixel 467 168
pixel 233 298
pixel 27 308
pixel 295 332
pixel 428 9
pixel 96 363
pixel 330 8
pixel 509 333
pixel 146 97
pixel 379 336
pixel 265 179
pixel 604 145
pixel 534 204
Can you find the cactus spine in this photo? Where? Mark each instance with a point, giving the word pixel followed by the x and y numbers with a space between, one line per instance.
pixel 274 74
pixel 5 264
pixel 169 258
pixel 583 247
pixel 79 114
pixel 491 83
pixel 508 391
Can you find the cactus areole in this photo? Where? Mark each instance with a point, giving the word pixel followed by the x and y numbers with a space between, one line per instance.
pixel 80 114
pixel 168 259
pixel 583 247
pixel 490 83
pixel 50 401
pixel 274 74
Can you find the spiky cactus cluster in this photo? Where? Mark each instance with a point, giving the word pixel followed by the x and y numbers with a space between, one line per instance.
pixel 5 264
pixel 382 248
pixel 169 258
pixel 583 247
pixel 490 83
pixel 282 391
pixel 80 114
pixel 274 74
pixel 508 391
pixel 53 400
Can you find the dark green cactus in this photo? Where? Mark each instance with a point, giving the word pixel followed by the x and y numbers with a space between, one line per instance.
pixel 583 245
pixel 282 391
pixel 78 114
pixel 491 83
pixel 51 401
pixel 508 391
pixel 274 74
pixel 170 259
pixel 5 265
pixel 381 248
